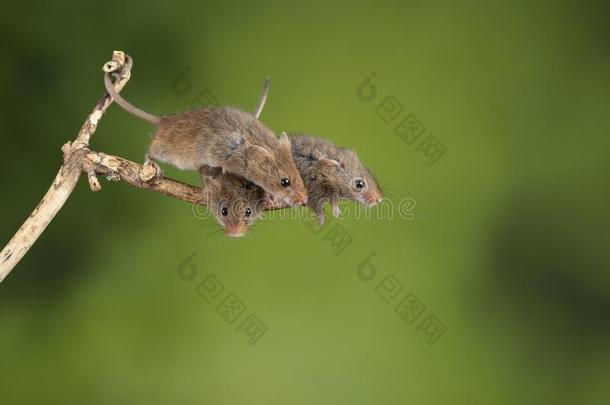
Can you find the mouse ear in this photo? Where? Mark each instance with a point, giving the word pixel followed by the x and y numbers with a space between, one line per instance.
pixel 349 153
pixel 284 141
pixel 268 201
pixel 208 171
pixel 329 162
pixel 209 175
pixel 256 152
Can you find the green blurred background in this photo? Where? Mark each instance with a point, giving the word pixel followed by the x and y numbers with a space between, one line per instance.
pixel 508 246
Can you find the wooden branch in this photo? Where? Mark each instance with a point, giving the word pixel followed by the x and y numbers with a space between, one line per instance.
pixel 117 168
pixel 78 159
pixel 120 169
pixel 67 177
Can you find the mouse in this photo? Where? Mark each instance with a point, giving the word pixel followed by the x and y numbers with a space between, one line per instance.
pixel 225 137
pixel 235 202
pixel 331 174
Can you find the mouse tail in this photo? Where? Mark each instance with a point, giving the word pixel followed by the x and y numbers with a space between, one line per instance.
pixel 263 98
pixel 126 105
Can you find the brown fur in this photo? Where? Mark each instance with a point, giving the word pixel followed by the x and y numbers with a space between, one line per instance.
pixel 234 140
pixel 236 195
pixel 224 137
pixel 330 174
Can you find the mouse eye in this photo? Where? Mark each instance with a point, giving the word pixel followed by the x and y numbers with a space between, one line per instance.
pixel 248 212
pixel 224 211
pixel 285 182
pixel 359 184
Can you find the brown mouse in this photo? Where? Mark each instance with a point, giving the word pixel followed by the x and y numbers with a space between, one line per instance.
pixel 331 173
pixel 224 137
pixel 234 201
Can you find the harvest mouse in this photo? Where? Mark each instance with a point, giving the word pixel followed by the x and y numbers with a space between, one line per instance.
pixel 224 137
pixel 331 173
pixel 234 201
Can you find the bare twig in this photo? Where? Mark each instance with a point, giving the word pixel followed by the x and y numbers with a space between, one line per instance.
pixel 66 178
pixel 117 168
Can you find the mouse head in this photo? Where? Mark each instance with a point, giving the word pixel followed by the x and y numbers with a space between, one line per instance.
pixel 351 178
pixel 234 201
pixel 275 171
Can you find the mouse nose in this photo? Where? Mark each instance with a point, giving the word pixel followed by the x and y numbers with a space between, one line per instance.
pixel 299 198
pixel 236 231
pixel 375 197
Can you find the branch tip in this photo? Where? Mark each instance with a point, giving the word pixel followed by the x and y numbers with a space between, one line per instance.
pixel 94 183
pixel 118 62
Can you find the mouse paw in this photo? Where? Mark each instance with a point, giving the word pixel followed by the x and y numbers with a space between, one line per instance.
pixel 321 218
pixel 336 210
pixel 150 171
